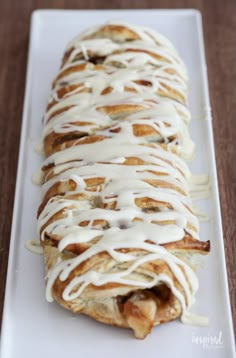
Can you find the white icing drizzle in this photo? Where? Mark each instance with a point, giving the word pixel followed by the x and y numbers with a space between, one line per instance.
pixel 124 218
pixel 113 239
pixel 146 34
pixel 193 319
pixel 101 47
pixel 118 151
pixel 34 246
pixel 200 187
pixel 156 56
pixel 81 101
pixel 37 177
pixel 109 71
pixel 39 147
pixel 118 79
pixel 151 68
pixel 203 217
pixel 147 37
pixel 162 118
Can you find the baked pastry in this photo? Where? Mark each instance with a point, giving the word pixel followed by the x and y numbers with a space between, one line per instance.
pixel 116 222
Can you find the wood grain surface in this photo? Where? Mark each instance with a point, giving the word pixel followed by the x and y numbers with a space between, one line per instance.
pixel 219 21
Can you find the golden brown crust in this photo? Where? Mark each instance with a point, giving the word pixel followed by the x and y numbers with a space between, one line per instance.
pixel 117 33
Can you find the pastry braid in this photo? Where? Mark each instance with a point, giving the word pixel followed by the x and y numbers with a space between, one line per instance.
pixel 116 222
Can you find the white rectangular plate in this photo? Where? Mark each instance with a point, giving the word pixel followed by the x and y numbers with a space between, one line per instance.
pixel 34 328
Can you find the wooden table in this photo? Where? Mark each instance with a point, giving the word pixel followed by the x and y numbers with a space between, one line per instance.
pixel 219 22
